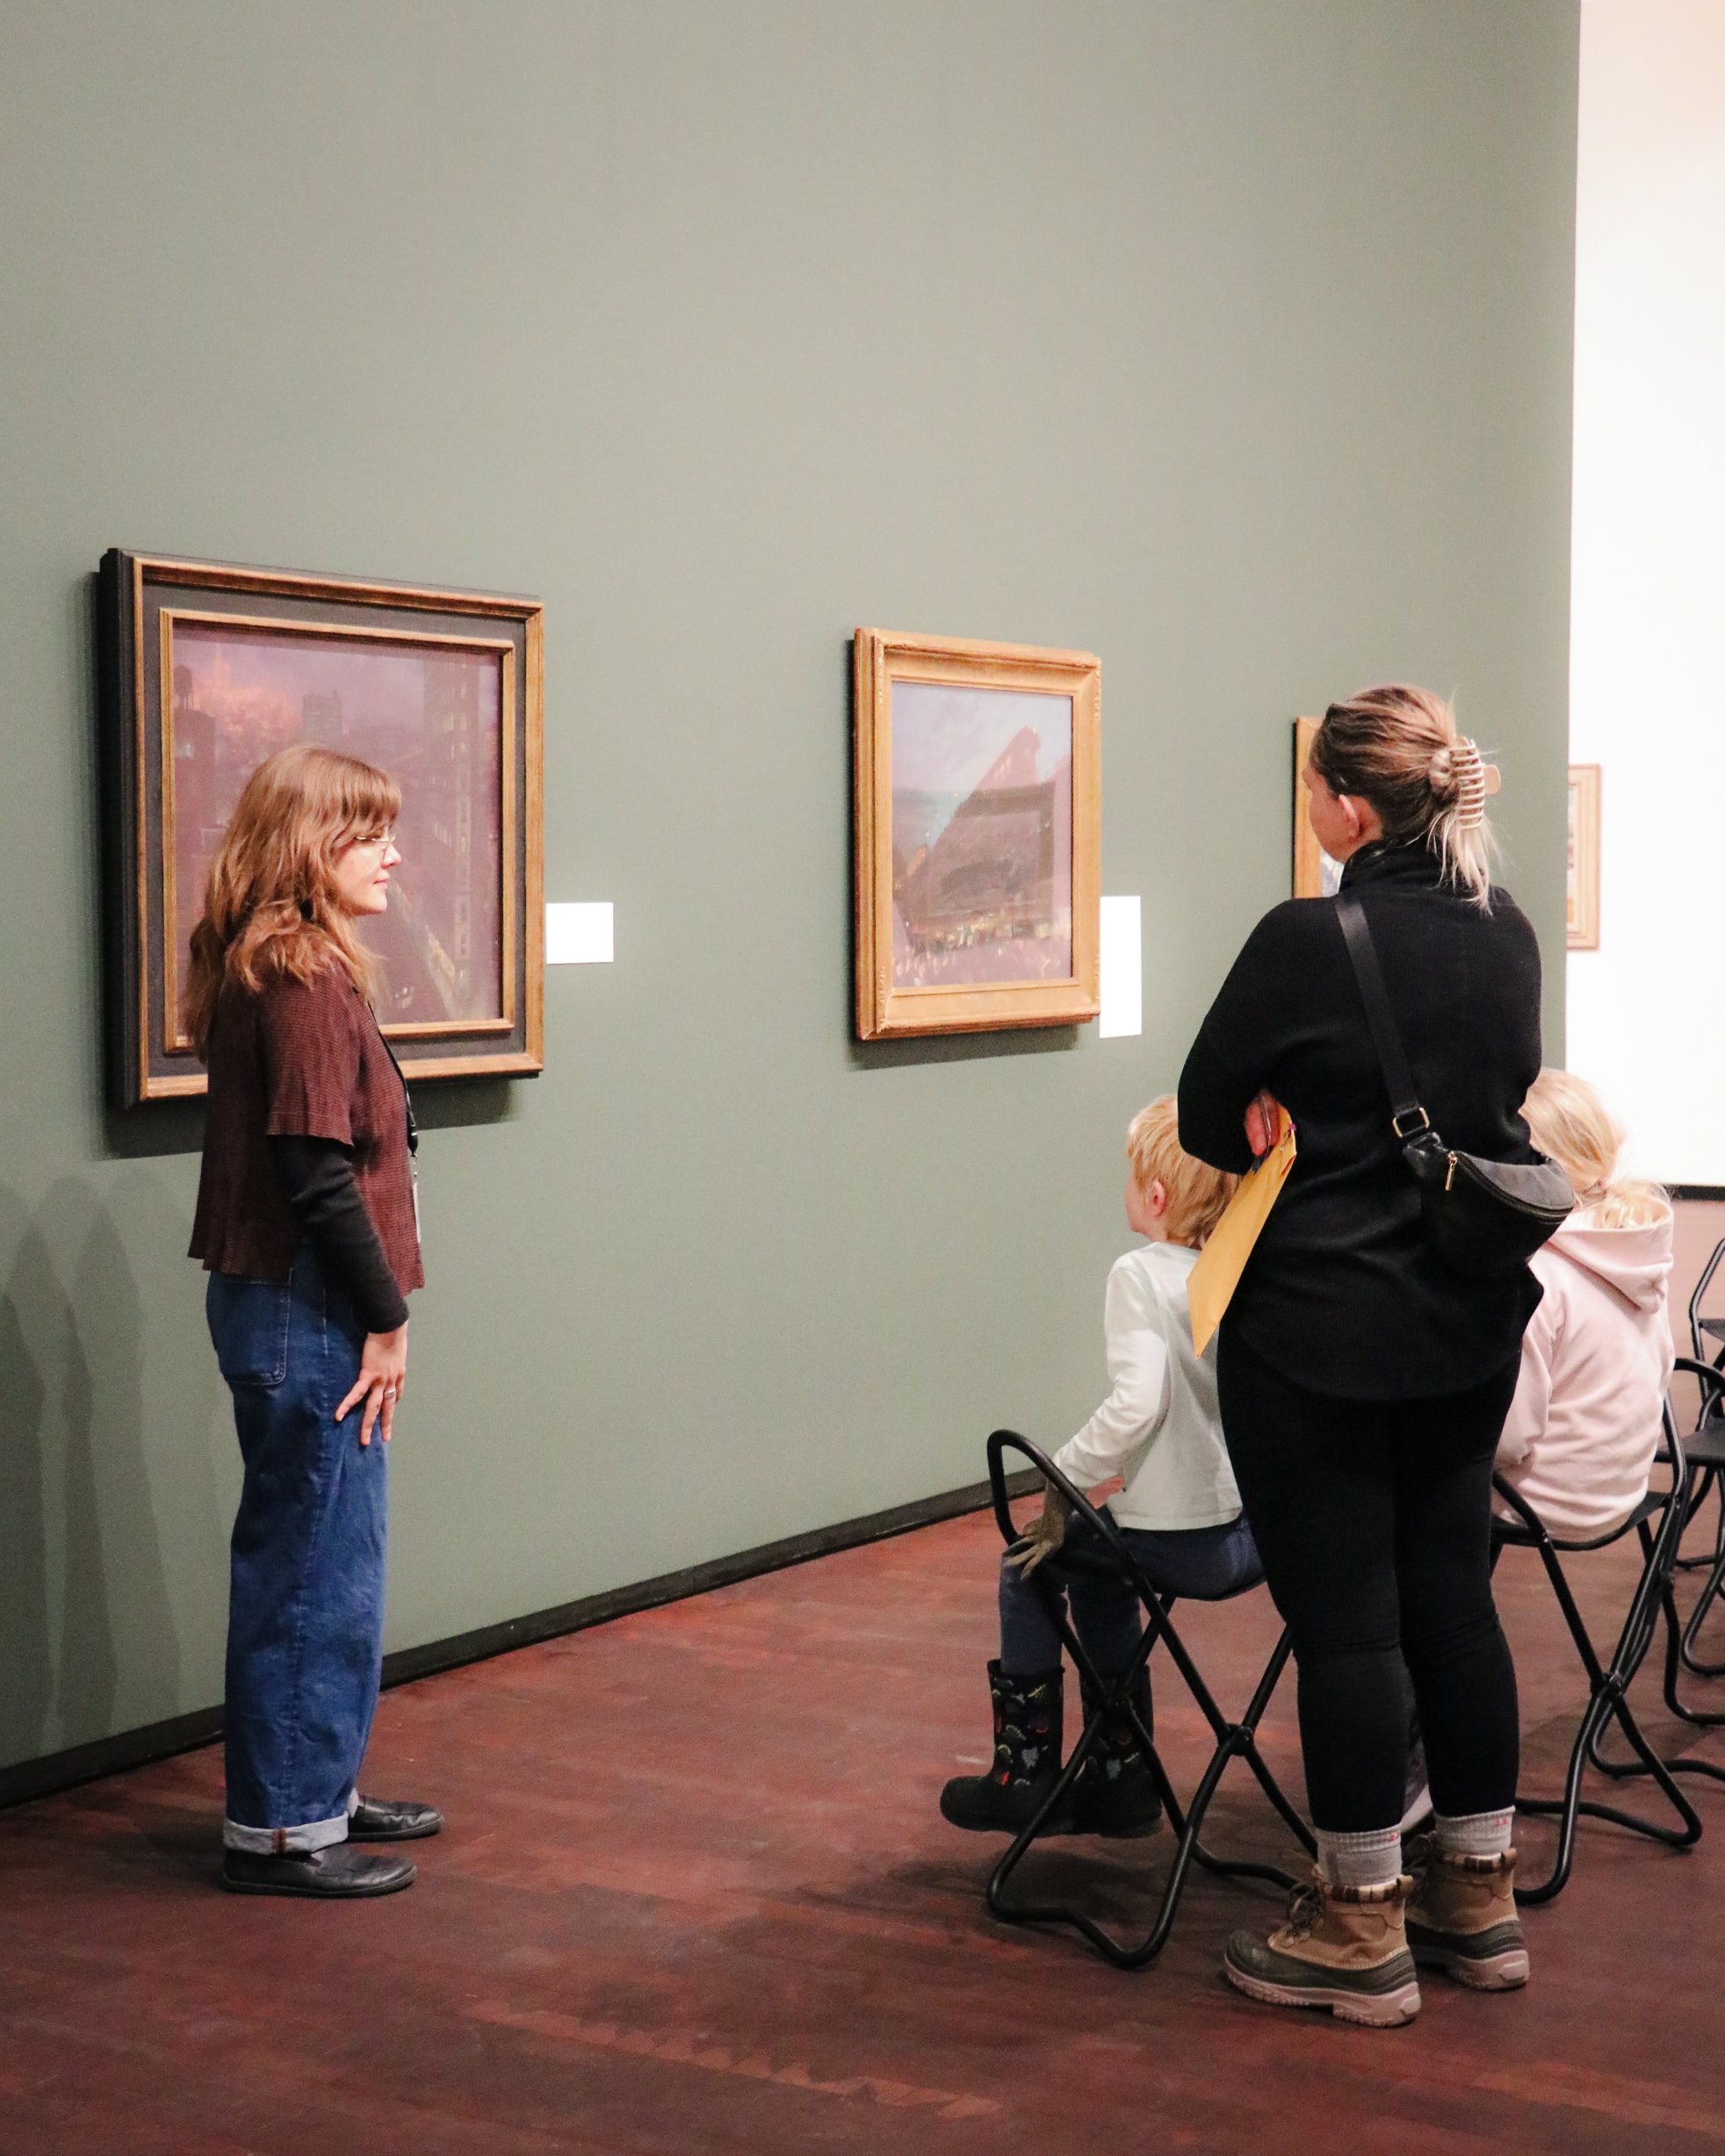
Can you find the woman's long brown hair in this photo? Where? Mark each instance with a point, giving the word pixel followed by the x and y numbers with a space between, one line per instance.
pixel 269 907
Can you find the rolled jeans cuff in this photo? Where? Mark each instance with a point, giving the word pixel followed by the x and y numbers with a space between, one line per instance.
pixel 286 1840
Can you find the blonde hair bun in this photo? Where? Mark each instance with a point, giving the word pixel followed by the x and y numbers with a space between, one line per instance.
pixel 1397 747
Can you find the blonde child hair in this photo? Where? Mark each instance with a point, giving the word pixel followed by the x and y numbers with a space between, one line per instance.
pixel 1198 1195
pixel 1568 1121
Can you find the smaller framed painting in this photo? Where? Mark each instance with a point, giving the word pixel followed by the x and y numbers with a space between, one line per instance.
pixel 1581 898
pixel 1315 874
pixel 979 835
pixel 208 669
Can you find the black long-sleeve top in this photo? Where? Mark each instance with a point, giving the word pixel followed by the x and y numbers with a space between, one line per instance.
pixel 323 1195
pixel 1344 1293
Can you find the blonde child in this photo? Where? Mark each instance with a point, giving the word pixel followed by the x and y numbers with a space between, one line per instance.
pixel 1160 1430
pixel 1596 1356
pixel 1581 1433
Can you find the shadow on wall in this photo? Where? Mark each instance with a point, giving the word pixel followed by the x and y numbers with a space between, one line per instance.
pixel 85 1614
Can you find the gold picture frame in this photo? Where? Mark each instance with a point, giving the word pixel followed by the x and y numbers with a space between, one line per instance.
pixel 208 667
pixel 978 819
pixel 1582 880
pixel 1315 874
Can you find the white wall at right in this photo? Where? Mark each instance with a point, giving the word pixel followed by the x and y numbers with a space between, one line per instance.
pixel 1647 1010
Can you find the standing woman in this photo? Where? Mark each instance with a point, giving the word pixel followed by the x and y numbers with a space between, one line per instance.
pixel 305 1223
pixel 1362 1383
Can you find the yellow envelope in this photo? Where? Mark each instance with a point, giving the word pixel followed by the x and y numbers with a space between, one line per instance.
pixel 1212 1283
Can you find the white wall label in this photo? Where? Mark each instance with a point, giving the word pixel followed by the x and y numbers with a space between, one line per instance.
pixel 580 935
pixel 1122 970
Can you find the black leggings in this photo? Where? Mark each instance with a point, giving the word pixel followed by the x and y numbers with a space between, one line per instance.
pixel 1373 1519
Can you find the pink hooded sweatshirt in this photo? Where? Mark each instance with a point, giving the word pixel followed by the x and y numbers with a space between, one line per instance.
pixel 1595 1362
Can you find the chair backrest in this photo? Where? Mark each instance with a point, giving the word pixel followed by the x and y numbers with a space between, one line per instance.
pixel 1697 1346
pixel 1710 1378
pixel 1002 1441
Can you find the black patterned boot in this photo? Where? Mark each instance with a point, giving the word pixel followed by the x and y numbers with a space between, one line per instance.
pixel 1027 1759
pixel 1115 1793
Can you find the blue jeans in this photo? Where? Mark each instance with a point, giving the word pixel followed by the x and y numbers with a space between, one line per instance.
pixel 1201 1564
pixel 305 1608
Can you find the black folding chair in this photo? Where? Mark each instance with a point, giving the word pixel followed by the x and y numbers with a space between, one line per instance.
pixel 1657 1522
pixel 1705 1450
pixel 1703 1455
pixel 1236 1740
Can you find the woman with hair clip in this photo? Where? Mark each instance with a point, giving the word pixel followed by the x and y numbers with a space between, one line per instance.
pixel 306 1224
pixel 1363 1384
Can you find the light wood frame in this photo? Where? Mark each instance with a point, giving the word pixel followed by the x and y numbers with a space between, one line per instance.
pixel 882 1010
pixel 1307 853
pixel 1582 881
pixel 143 600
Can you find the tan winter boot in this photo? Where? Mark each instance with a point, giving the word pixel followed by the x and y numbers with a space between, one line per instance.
pixel 1461 1917
pixel 1342 1947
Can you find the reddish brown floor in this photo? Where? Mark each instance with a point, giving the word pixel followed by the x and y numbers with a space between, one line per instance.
pixel 694 1895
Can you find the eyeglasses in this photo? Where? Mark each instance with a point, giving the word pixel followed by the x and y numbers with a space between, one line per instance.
pixel 382 839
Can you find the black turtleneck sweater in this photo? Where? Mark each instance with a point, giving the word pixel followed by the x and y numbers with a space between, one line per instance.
pixel 1344 1294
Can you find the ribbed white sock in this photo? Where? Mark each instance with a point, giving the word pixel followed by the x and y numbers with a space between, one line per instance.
pixel 1476 1833
pixel 1372 1859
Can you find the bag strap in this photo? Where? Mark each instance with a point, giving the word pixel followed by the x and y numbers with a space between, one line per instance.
pixel 1386 1037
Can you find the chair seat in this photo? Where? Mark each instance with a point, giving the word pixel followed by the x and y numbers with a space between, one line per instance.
pixel 1518 1536
pixel 1705 1445
pixel 1103 1565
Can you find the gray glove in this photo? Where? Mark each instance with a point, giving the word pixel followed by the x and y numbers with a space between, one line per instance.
pixel 1045 1536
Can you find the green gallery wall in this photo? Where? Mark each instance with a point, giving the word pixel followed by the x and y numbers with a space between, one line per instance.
pixel 1229 341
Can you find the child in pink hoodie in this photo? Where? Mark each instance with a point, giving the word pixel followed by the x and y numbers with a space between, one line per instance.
pixel 1597 1355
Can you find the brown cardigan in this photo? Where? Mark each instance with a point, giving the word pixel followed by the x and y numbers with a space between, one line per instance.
pixel 299 1062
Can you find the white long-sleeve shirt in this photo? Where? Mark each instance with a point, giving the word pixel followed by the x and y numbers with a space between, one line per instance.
pixel 1159 1427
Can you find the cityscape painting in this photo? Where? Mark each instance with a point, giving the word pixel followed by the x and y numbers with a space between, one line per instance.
pixel 209 669
pixel 978 821
pixel 981 835
pixel 430 715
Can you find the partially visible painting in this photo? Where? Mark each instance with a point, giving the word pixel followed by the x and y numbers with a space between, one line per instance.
pixel 207 670
pixel 1315 874
pixel 1582 900
pixel 978 835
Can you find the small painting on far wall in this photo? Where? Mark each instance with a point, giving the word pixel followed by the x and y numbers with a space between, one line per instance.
pixel 1315 874
pixel 1582 895
pixel 976 829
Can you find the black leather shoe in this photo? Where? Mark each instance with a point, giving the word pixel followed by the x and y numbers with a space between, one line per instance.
pixel 376 1819
pixel 336 1874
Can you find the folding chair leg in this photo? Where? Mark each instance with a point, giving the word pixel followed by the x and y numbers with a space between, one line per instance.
pixel 1696 1717
pixel 1234 1740
pixel 1607 1703
pixel 1709 1595
pixel 1695 1564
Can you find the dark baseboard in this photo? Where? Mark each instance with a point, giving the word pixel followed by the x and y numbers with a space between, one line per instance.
pixel 1701 1192
pixel 185 1733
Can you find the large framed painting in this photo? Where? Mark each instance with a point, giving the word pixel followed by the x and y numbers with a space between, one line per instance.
pixel 1315 874
pixel 208 669
pixel 979 835
pixel 1581 891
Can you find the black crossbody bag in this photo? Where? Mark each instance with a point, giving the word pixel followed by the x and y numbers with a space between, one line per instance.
pixel 1485 1218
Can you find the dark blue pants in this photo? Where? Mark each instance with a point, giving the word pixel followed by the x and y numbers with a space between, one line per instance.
pixel 1203 1564
pixel 305 1609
